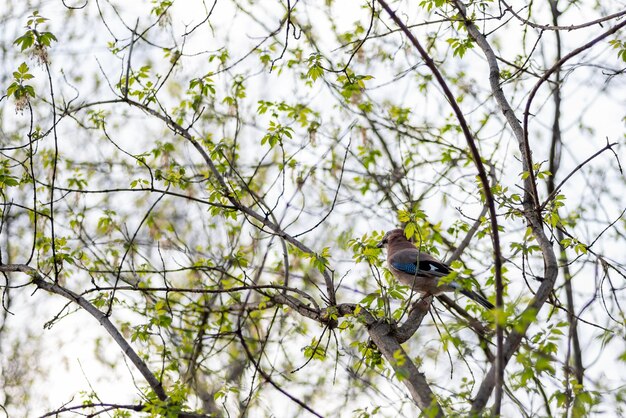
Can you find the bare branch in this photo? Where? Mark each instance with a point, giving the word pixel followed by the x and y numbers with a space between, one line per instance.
pixel 556 27
pixel 557 189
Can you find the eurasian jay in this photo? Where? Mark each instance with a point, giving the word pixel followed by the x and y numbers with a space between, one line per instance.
pixel 419 269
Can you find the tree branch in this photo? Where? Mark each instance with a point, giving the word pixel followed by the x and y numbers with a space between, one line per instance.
pixel 100 316
pixel 228 195
pixel 555 189
pixel 556 27
pixel 494 377
pixel 557 65
pixel 388 339
pixel 382 335
pixel 482 174
pixel 419 310
pixel 555 164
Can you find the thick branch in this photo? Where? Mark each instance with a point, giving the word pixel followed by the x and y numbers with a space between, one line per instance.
pixel 419 310
pixel 387 338
pixel 382 335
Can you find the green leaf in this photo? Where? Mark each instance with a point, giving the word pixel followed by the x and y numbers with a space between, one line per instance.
pixel 367 300
pixel 25 41
pixel 23 68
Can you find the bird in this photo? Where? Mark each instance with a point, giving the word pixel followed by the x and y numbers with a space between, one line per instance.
pixel 421 270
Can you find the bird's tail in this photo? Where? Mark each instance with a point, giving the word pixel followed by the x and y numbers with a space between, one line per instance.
pixel 477 298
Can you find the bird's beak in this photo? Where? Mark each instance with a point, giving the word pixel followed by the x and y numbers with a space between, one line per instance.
pixel 380 244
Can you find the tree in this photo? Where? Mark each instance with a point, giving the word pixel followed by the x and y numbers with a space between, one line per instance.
pixel 208 181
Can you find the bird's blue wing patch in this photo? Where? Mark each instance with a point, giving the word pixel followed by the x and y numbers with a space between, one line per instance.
pixel 410 268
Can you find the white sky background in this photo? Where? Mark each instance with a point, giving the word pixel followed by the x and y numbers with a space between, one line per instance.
pixel 72 338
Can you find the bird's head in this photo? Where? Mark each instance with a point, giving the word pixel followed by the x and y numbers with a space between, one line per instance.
pixel 395 235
